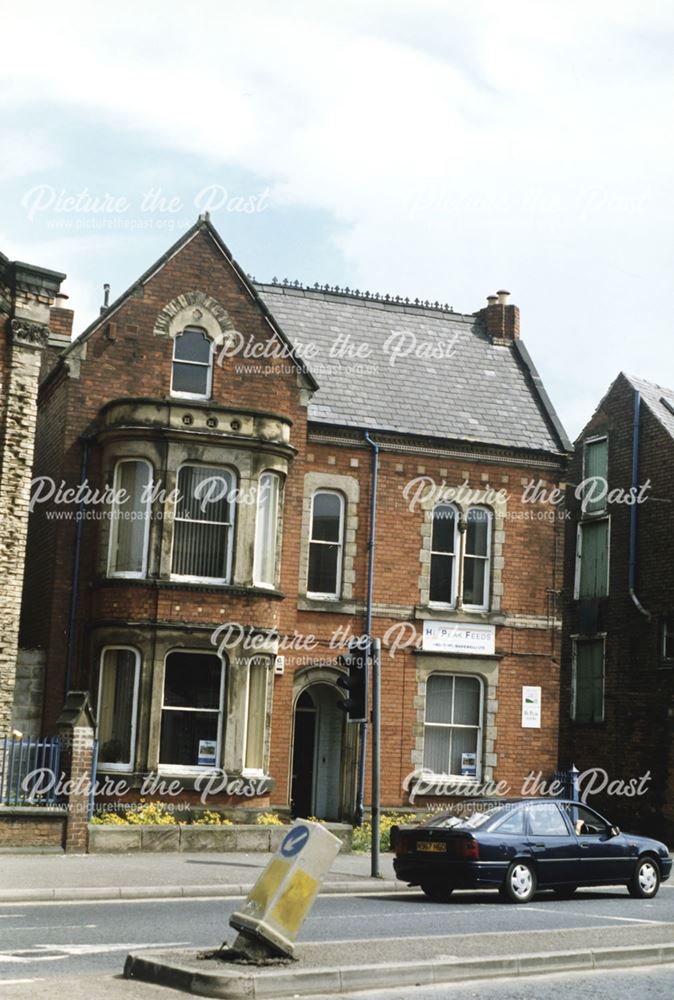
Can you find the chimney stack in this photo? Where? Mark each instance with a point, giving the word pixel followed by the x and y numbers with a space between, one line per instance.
pixel 60 317
pixel 501 319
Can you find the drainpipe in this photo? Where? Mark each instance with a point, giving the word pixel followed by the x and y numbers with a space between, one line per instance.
pixel 360 807
pixel 74 584
pixel 633 510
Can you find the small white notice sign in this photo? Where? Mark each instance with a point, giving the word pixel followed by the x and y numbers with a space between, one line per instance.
pixel 458 637
pixel 531 708
pixel 207 752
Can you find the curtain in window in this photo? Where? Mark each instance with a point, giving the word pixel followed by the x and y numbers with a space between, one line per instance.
pixel 589 681
pixel 442 554
pixel 593 559
pixel 116 706
pixel 202 523
pixel 325 546
pixel 257 713
pixel 264 570
pixel 130 518
pixel 452 723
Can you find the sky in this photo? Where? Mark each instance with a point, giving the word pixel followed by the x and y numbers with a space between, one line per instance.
pixel 435 149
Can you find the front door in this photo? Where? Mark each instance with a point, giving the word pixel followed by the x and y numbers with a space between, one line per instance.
pixel 317 753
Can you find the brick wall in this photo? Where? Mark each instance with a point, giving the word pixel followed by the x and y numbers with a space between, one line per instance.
pixel 636 735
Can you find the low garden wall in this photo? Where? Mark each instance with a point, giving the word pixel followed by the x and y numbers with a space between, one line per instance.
pixel 239 837
pixel 31 829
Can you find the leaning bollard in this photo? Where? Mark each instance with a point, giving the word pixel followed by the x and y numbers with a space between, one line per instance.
pixel 280 901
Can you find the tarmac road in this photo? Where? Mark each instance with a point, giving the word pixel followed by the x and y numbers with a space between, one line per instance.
pixel 50 940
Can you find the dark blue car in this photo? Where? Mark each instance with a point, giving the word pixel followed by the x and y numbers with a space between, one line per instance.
pixel 519 846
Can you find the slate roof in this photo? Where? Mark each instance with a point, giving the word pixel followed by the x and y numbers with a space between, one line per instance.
pixel 480 393
pixel 652 395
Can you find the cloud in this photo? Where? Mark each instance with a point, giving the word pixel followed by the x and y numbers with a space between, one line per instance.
pixel 457 148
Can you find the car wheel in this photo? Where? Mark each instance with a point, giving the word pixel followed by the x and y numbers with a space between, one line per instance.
pixel 520 882
pixel 646 879
pixel 565 891
pixel 439 893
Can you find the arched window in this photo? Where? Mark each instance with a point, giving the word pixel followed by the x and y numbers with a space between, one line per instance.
pixel 192 364
pixel 117 707
pixel 130 518
pixel 326 544
pixel 266 530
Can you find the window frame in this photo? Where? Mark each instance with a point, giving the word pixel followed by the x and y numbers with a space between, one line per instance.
pixel 176 393
pixel 591 521
pixel 575 641
pixel 486 589
pixel 450 725
pixel 114 523
pixel 267 666
pixel 315 595
pixel 599 511
pixel 164 768
pixel 257 582
pixel 189 578
pixel 116 767
pixel 456 559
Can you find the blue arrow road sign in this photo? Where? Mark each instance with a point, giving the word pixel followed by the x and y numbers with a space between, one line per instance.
pixel 294 841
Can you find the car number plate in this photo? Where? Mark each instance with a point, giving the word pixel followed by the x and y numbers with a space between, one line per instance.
pixel 431 846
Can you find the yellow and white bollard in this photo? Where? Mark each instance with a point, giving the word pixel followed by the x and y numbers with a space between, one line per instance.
pixel 282 897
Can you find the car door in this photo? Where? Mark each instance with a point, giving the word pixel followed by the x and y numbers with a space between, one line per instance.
pixel 605 858
pixel 552 844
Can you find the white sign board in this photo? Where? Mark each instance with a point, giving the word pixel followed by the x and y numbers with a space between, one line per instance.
pixel 207 752
pixel 458 637
pixel 531 708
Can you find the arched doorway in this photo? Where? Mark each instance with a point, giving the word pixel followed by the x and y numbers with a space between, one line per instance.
pixel 317 774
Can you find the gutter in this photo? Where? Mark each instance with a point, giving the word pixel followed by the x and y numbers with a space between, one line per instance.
pixel 636 425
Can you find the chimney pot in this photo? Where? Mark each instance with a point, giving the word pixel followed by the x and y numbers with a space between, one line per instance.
pixel 503 297
pixel 492 300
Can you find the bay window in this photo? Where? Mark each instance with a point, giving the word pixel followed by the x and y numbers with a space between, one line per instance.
pixel 256 713
pixel 191 721
pixel 203 524
pixel 266 530
pixel 117 707
pixel 130 518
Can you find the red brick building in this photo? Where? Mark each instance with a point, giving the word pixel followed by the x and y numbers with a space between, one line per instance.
pixel 224 424
pixel 617 684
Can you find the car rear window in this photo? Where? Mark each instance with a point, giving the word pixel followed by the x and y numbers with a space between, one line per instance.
pixel 471 817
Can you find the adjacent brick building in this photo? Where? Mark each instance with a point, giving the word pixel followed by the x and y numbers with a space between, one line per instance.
pixel 207 622
pixel 26 294
pixel 617 684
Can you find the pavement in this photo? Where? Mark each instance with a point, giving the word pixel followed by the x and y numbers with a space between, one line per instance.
pixel 45 878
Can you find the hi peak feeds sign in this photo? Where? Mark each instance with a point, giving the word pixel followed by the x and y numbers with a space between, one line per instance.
pixel 457 637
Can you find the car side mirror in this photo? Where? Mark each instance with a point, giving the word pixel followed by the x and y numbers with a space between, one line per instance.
pixel 615 831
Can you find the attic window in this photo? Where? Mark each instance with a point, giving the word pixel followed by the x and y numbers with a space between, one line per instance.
pixel 192 364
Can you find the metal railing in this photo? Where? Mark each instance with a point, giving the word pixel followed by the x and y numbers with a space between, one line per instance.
pixel 29 771
pixel 569 781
